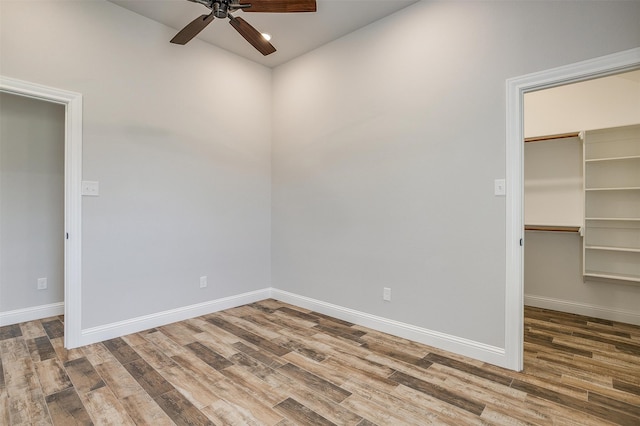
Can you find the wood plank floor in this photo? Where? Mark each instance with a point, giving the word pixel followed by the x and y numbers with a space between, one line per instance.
pixel 270 363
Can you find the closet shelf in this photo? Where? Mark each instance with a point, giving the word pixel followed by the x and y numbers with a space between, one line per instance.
pixel 609 248
pixel 611 164
pixel 625 188
pixel 595 160
pixel 552 137
pixel 552 228
pixel 609 276
pixel 616 219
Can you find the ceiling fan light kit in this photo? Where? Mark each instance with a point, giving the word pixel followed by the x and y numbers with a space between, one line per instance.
pixel 222 9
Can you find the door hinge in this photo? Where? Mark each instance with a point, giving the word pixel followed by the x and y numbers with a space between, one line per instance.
pixel 521 242
pixel 67 235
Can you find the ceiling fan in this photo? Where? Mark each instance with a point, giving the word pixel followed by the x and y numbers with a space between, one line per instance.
pixel 223 8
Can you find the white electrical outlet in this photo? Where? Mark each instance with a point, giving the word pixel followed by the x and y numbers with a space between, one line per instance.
pixel 386 294
pixel 203 282
pixel 42 283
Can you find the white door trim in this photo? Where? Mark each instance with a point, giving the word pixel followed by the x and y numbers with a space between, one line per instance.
pixel 72 195
pixel 516 88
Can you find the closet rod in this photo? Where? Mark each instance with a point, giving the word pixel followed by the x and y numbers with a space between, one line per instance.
pixel 550 137
pixel 552 228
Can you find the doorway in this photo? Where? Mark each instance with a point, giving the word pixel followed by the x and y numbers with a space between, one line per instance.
pixel 555 196
pixel 31 209
pixel 72 237
pixel 516 88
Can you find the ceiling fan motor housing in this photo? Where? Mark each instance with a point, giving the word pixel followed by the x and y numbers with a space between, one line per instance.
pixel 220 9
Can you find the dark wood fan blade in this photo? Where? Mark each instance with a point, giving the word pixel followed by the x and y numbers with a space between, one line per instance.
pixel 192 29
pixel 252 35
pixel 280 6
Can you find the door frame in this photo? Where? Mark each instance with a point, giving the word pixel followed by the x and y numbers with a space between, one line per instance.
pixel 72 195
pixel 616 63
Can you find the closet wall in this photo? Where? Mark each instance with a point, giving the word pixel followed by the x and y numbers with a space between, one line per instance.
pixel 31 204
pixel 553 184
pixel 553 195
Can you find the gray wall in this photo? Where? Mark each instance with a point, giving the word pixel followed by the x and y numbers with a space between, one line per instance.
pixel 553 280
pixel 31 202
pixel 182 160
pixel 386 145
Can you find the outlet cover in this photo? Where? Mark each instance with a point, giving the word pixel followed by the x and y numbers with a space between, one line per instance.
pixel 42 283
pixel 90 188
pixel 203 282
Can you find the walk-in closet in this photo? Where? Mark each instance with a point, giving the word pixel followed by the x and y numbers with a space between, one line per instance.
pixel 582 198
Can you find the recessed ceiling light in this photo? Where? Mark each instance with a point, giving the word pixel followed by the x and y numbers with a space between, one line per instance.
pixel 266 36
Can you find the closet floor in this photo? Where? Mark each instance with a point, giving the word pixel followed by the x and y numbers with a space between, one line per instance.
pixel 270 363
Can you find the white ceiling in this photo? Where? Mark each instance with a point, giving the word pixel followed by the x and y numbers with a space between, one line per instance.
pixel 293 34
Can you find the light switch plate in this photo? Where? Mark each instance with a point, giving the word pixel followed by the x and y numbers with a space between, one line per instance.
pixel 42 283
pixel 386 294
pixel 90 188
pixel 500 187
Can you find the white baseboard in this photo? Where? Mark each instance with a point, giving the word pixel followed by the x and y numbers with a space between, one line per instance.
pixel 135 325
pixel 487 353
pixel 480 351
pixel 31 314
pixel 603 312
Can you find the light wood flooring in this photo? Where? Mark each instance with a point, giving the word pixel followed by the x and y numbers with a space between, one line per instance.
pixel 269 363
